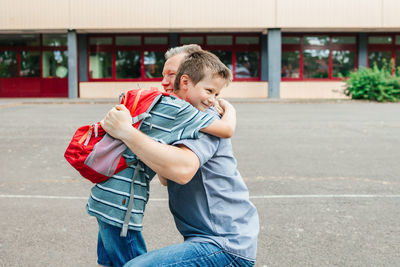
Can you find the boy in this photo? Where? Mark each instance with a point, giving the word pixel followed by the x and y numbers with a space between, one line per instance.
pixel 172 120
pixel 207 195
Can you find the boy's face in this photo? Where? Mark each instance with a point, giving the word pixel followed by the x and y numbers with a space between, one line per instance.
pixel 202 95
pixel 171 67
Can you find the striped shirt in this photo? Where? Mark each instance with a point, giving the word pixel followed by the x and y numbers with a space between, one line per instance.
pixel 172 119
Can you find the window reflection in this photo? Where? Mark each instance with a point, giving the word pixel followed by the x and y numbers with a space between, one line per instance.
pixel 246 64
pixel 20 40
pixel 224 56
pixel 8 64
pixel 153 64
pixel 343 62
pixel 379 57
pixel 316 63
pixel 100 65
pixel 397 58
pixel 290 64
pixel 30 64
pixel 54 40
pixel 55 64
pixel 316 40
pixel 128 64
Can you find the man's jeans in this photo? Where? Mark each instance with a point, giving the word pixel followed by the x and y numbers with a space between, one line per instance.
pixel 188 254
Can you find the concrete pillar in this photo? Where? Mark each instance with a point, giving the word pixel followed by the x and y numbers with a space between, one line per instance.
pixel 83 53
pixel 72 65
pixel 173 40
pixel 274 62
pixel 264 57
pixel 362 50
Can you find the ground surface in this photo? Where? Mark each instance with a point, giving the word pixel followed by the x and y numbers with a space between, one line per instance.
pixel 323 176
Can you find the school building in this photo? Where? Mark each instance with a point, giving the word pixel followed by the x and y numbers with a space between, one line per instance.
pixel 275 48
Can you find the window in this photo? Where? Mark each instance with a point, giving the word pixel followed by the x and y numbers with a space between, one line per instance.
pixel 30 64
pixel 127 57
pixel 319 56
pixel 383 49
pixel 240 53
pixel 8 64
pixel 55 64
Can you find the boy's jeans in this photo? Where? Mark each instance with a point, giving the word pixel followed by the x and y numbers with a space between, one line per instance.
pixel 113 250
pixel 188 254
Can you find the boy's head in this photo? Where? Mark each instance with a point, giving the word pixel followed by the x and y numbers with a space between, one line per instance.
pixel 174 57
pixel 200 78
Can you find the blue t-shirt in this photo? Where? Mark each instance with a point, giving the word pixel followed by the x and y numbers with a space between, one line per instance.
pixel 214 206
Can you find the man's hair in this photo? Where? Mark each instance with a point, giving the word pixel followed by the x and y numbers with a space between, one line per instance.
pixel 184 49
pixel 199 64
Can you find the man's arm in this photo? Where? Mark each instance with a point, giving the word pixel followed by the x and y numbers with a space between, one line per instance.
pixel 177 163
pixel 225 127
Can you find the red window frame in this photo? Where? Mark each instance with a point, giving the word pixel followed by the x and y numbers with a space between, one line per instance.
pixel 233 48
pixel 331 47
pixel 113 48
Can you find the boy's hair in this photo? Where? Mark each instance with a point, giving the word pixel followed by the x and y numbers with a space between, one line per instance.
pixel 199 64
pixel 184 49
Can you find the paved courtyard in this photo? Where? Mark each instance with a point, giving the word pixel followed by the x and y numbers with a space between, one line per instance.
pixel 324 176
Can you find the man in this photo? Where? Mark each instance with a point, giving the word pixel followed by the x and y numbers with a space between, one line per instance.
pixel 208 198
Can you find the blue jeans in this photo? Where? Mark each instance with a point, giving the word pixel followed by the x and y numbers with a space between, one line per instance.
pixel 189 254
pixel 113 250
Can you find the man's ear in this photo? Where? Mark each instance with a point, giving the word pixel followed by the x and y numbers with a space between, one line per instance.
pixel 184 82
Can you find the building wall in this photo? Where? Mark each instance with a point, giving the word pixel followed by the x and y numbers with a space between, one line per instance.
pixel 210 15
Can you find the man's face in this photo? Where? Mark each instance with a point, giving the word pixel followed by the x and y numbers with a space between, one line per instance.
pixel 171 67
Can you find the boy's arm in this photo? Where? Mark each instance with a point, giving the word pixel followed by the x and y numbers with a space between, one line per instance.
pixel 177 163
pixel 225 127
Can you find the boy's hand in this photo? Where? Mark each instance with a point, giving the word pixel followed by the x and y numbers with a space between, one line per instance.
pixel 118 122
pixel 224 105
pixel 218 108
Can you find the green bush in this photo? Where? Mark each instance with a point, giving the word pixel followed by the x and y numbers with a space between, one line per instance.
pixel 375 84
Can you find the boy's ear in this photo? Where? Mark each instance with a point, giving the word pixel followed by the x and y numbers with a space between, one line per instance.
pixel 184 82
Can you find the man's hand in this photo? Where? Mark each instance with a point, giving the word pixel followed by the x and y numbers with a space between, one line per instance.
pixel 118 122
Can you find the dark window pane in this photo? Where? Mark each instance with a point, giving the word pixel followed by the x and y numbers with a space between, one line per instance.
pixel 192 40
pixel 20 40
pixel 380 40
pixel 128 64
pixel 30 64
pixel 397 58
pixel 55 64
pixel 246 64
pixel 316 40
pixel 290 40
pixel 8 64
pixel 128 40
pixel 54 40
pixel 247 40
pixel 100 65
pixel 290 64
pixel 316 63
pixel 220 40
pixel 344 40
pixel 379 57
pixel 153 64
pixel 224 56
pixel 156 40
pixel 343 63
pixel 100 41
pixel 398 39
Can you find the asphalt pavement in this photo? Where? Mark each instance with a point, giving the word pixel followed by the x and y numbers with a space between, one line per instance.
pixel 324 176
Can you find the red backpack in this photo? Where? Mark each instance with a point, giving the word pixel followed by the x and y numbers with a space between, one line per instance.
pixel 98 156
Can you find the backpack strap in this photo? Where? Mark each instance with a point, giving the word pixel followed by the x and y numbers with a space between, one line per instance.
pixel 127 218
pixel 135 103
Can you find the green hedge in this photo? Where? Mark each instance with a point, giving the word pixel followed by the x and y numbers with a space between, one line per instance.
pixel 376 84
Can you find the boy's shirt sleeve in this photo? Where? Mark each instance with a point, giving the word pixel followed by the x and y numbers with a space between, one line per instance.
pixel 190 120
